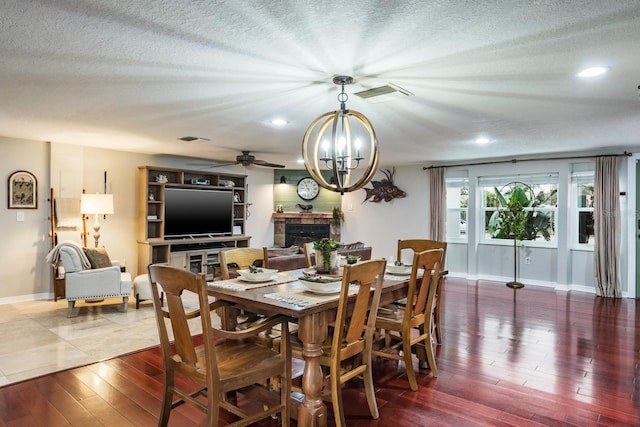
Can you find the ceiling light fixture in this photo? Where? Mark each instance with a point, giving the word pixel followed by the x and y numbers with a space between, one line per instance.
pixel 593 72
pixel 482 140
pixel 193 138
pixel 350 142
pixel 279 122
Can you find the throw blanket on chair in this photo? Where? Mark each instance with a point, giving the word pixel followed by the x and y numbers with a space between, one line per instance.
pixel 54 256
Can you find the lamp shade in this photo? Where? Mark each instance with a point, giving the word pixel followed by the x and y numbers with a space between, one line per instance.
pixel 99 204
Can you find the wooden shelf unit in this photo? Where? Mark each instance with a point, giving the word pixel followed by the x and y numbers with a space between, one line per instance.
pixel 194 254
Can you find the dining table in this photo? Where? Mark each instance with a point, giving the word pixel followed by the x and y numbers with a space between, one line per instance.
pixel 285 295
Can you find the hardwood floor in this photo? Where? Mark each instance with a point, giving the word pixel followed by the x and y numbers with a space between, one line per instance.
pixel 536 357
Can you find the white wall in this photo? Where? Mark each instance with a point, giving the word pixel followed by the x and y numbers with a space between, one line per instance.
pixel 381 225
pixel 26 242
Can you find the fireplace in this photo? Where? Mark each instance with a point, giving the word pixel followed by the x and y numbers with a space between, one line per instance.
pixel 298 234
pixel 295 228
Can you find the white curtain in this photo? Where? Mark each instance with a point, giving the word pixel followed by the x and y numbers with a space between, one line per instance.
pixel 438 205
pixel 606 213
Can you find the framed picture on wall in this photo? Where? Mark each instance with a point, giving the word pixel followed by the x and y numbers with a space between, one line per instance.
pixel 23 190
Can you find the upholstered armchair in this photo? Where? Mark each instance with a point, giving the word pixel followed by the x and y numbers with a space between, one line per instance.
pixel 83 282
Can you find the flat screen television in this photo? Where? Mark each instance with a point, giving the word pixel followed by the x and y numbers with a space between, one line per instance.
pixel 191 212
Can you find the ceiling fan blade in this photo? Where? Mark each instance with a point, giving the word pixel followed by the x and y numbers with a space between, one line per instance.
pixel 267 164
pixel 212 165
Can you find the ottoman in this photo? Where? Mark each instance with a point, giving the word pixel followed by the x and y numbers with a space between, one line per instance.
pixel 142 290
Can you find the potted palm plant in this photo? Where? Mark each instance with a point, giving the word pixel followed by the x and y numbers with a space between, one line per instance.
pixel 518 220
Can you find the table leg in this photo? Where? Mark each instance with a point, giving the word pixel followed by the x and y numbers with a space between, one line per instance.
pixel 228 317
pixel 312 331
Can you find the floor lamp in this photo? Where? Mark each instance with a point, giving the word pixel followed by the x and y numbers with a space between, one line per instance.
pixel 96 204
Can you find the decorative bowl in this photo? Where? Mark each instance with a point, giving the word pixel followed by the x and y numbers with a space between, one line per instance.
pixel 351 259
pixel 398 269
pixel 261 276
pixel 322 284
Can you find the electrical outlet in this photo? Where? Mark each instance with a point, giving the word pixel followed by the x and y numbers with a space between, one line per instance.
pixel 527 260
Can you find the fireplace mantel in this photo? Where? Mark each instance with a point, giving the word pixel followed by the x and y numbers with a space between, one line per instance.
pixel 282 218
pixel 305 215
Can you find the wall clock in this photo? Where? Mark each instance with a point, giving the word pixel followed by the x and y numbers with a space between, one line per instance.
pixel 307 188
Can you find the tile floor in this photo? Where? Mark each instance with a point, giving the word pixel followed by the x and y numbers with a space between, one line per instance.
pixel 38 338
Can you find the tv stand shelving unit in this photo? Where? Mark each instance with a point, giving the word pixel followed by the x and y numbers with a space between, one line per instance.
pixel 196 254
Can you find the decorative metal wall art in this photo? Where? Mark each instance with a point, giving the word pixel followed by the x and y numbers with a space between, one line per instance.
pixel 384 189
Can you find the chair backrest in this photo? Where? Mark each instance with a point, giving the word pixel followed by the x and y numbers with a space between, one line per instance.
pixel 422 290
pixel 243 258
pixel 307 249
pixel 182 357
pixel 355 323
pixel 419 245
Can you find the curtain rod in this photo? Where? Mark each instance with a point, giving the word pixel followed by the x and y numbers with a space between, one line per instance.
pixel 625 154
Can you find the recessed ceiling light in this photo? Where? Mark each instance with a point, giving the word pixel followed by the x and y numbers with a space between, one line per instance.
pixel 279 122
pixel 301 161
pixel 593 72
pixel 482 140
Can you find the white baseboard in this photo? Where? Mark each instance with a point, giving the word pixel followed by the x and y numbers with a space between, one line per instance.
pixel 26 298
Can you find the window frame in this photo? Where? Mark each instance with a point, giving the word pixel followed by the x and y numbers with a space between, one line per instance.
pixel 577 179
pixel 485 212
pixel 450 183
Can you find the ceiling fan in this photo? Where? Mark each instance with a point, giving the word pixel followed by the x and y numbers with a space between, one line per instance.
pixel 247 159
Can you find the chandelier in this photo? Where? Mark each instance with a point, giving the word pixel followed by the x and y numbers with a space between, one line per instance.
pixel 340 142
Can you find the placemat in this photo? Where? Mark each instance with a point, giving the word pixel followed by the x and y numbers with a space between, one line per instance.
pixel 241 285
pixel 304 298
pixel 401 278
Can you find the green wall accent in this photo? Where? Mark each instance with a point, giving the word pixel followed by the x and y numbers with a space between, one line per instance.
pixel 286 195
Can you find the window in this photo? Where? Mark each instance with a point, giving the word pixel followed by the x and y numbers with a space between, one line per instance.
pixel 537 194
pixel 457 207
pixel 582 216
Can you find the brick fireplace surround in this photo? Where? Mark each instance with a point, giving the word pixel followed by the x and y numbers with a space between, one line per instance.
pixel 282 218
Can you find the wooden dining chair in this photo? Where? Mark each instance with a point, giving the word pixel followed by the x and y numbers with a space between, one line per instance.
pixel 419 245
pixel 347 352
pixel 225 362
pixel 417 316
pixel 307 249
pixel 242 258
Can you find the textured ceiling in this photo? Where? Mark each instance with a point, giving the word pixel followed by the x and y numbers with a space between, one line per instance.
pixel 137 75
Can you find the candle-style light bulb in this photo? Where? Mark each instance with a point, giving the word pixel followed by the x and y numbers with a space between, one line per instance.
pixel 342 142
pixel 325 147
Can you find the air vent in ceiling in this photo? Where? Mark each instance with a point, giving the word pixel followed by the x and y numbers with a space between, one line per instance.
pixel 384 93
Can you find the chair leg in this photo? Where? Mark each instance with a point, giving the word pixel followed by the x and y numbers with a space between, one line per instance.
pixel 125 304
pixel 370 392
pixel 421 351
pixel 431 357
pixel 408 363
pixel 336 399
pixel 137 301
pixel 436 325
pixel 213 411
pixel 167 398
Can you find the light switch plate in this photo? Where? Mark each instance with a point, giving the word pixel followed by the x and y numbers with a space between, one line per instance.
pixel 19 216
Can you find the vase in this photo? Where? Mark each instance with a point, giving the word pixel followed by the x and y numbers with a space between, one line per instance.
pixel 327 267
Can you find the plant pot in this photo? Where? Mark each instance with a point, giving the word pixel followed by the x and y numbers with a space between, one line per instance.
pixel 330 267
